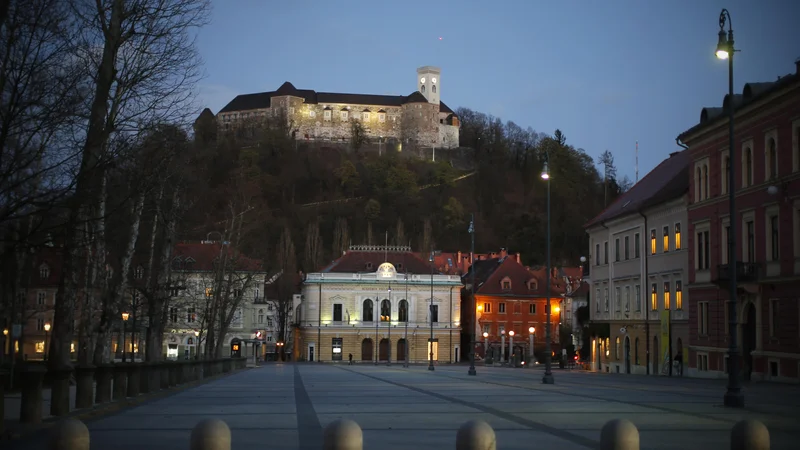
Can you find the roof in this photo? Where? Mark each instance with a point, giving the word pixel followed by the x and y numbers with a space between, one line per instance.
pixel 490 274
pixel 202 256
pixel 262 100
pixel 360 261
pixel 751 93
pixel 669 180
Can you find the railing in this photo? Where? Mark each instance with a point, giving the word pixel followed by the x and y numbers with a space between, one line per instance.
pixel 745 272
pixel 344 434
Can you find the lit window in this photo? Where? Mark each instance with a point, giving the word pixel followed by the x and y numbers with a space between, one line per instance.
pixel 365 116
pixel 677 236
pixel 381 117
pixel 40 347
pixel 326 114
pixel 344 115
pixel 312 114
pixel 678 294
pixel 209 292
pixel 666 239
pixel 654 298
pixel 666 295
pixel 652 242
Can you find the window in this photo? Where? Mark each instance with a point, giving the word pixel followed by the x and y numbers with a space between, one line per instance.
pixel 666 296
pixel 39 346
pixel 173 315
pixel 367 314
pixel 627 248
pixel 532 308
pixel 678 295
pixel 256 293
pixel 501 308
pixel 666 239
pixel 191 316
pixel 637 245
pixel 237 293
pixel 774 238
pixel 312 114
pixel 291 110
pixel 774 317
pixel 381 117
pixel 402 311
pixel 597 300
pixel 209 292
pixel 654 297
pixel 703 259
pixel 506 285
pixel 627 298
pixel 706 194
pixel 269 322
pixel 677 236
pixel 260 316
pixel 44 271
pixel 747 167
pixel 605 252
pixel 336 348
pixel 653 241
pixel 702 318
pixel 616 250
pixel 39 324
pixel 617 299
pixel 337 312
pixel 638 300
pixel 365 116
pixel 772 159
pixel 433 88
pixel 751 241
pixel 41 298
pixel 702 362
pixel 326 115
pixel 345 115
pixel 597 254
pixel 533 285
pixel 616 348
pixel 605 299
pixel 487 307
pixel 422 89
pixel 434 313
pixel 138 273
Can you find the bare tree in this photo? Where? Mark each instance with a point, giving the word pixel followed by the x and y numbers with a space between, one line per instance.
pixel 313 253
pixel 286 285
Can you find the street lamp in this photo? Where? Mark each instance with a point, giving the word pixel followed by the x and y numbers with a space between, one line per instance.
pixel 46 331
pixel 531 332
pixel 196 344
pixel 485 344
pixel 430 315
pixel 405 335
pixel 389 346
pixel 734 397
pixel 548 374
pixel 511 347
pixel 471 230
pixel 124 319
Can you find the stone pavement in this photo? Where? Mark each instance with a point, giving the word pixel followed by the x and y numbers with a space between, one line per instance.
pixel 285 406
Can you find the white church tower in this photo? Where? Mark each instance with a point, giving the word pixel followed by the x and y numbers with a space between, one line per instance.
pixel 429 83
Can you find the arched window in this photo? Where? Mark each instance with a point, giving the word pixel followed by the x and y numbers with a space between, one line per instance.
pixel 367 313
pixel 402 311
pixel 386 311
pixel 422 88
pixel 433 88
pixel 772 158
pixel 260 316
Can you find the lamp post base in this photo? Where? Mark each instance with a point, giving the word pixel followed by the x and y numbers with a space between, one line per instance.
pixel 430 367
pixel 472 371
pixel 548 379
pixel 734 398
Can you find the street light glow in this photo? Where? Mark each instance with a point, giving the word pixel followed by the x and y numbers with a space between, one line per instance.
pixel 125 316
pixel 546 172
pixel 531 330
pixel 485 334
pixel 47 326
pixel 722 46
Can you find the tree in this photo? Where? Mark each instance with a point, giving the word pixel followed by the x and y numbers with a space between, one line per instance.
pixel 609 173
pixel 349 180
pixel 453 214
pixel 287 285
pixel 358 135
pixel 313 254
pixel 341 238
pixel 400 233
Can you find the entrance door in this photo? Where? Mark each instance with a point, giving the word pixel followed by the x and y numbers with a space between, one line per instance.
pixel 627 354
pixel 383 350
pixel 435 350
pixel 401 350
pixel 366 349
pixel 311 352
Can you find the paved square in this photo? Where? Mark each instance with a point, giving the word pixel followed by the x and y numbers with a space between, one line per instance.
pixel 285 406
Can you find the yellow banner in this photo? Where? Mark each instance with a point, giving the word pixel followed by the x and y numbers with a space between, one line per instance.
pixel 665 356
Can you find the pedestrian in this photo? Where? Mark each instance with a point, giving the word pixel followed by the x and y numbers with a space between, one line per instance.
pixel 350 359
pixel 679 361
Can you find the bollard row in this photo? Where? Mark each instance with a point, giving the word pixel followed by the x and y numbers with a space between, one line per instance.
pixel 95 385
pixel 344 434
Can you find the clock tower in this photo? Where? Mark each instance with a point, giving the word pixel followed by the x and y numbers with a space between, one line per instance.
pixel 429 83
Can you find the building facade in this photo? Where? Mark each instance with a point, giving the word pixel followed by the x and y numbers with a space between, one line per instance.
pixel 377 303
pixel 420 118
pixel 767 190
pixel 639 268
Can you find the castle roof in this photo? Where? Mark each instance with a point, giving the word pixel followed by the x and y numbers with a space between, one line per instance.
pixel 262 100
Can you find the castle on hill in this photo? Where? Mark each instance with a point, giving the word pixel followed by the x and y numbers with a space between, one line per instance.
pixel 419 119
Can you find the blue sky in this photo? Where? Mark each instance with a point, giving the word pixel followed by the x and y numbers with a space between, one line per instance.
pixel 607 73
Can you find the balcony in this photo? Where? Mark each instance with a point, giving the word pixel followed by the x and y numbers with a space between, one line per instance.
pixel 746 272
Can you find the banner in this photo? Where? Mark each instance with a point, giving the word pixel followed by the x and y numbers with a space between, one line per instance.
pixel 664 340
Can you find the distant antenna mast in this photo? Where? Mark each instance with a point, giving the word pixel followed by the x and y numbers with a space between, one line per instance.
pixel 637 161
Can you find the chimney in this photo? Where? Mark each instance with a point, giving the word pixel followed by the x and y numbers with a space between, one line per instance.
pixel 519 258
pixel 503 252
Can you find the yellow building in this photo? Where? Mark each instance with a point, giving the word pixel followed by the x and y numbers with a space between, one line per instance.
pixel 371 302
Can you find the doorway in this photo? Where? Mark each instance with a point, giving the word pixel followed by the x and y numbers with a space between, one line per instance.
pixel 401 350
pixel 383 351
pixel 627 354
pixel 366 349
pixel 311 355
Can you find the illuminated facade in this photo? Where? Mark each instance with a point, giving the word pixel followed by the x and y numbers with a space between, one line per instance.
pixel 371 302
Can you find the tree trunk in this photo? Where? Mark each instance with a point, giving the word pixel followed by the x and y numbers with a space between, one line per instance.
pixel 151 290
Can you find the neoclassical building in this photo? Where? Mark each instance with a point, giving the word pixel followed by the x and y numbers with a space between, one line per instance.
pixel 419 118
pixel 375 303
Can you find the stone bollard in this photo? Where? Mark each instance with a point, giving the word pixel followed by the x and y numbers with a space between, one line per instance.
pixel 476 435
pixel 103 375
pixel 120 381
pixel 619 434
pixel 133 379
pixel 342 434
pixel 30 409
pixel 84 389
pixel 749 435
pixel 210 434
pixel 69 434
pixel 59 391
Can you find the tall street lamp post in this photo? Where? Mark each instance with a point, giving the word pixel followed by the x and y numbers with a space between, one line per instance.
pixel 377 316
pixel 430 316
pixel 511 348
pixel 725 50
pixel 124 320
pixel 472 370
pixel 405 336
pixel 548 374
pixel 485 344
pixel 531 332
pixel 389 346
pixel 46 332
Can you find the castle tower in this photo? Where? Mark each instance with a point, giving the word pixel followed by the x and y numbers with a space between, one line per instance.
pixel 429 83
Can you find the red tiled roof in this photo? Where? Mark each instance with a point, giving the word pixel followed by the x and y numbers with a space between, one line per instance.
pixel 356 261
pixel 669 180
pixel 204 256
pixel 519 275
